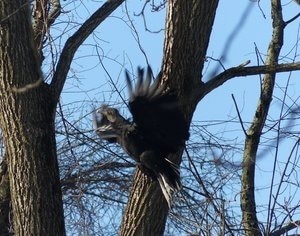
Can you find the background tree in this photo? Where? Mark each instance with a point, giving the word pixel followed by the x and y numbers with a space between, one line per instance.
pixel 28 111
pixel 27 123
pixel 96 177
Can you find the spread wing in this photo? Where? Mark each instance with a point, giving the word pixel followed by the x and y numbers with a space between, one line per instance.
pixel 156 113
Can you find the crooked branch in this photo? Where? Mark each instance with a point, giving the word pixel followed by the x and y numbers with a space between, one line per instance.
pixel 246 71
pixel 75 41
pixel 286 228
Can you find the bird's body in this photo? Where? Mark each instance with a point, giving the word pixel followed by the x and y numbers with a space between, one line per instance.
pixel 158 129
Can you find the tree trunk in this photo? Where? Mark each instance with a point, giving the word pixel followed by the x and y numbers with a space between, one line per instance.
pixel 27 120
pixel 188 28
pixel 248 205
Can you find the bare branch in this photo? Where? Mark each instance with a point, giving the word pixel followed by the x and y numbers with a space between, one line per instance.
pixel 44 15
pixel 241 70
pixel 239 114
pixel 75 41
pixel 292 19
pixel 208 195
pixel 285 229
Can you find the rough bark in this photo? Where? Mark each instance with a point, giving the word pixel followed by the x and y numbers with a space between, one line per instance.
pixel 248 206
pixel 27 121
pixel 5 226
pixel 188 27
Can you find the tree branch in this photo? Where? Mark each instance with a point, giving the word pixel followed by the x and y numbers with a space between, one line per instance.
pixel 285 229
pixel 44 15
pixel 75 41
pixel 246 71
pixel 292 19
pixel 239 115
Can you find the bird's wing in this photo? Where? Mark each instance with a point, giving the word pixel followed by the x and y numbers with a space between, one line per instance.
pixel 156 113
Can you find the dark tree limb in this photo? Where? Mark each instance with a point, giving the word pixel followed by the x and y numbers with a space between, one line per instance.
pixel 242 70
pixel 286 228
pixel 292 19
pixel 75 41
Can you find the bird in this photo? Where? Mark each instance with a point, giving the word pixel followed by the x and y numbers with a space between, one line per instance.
pixel 157 129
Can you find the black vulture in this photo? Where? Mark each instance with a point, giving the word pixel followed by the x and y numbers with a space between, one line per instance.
pixel 157 129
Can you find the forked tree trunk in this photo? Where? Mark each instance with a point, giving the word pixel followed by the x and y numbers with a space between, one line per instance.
pixel 248 205
pixel 27 121
pixel 188 28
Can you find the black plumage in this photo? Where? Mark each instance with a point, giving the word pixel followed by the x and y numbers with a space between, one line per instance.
pixel 158 129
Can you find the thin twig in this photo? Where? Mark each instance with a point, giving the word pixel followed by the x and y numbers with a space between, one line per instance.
pixel 239 115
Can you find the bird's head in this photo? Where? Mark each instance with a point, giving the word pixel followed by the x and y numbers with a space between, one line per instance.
pixel 108 123
pixel 107 115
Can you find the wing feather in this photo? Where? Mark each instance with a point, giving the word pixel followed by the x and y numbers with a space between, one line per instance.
pixel 157 113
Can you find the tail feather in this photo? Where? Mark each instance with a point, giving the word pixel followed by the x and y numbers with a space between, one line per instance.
pixel 175 169
pixel 165 171
pixel 169 181
pixel 165 188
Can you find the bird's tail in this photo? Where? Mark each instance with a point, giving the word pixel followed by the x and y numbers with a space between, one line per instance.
pixel 169 180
